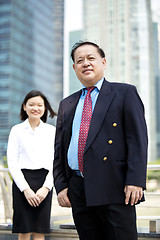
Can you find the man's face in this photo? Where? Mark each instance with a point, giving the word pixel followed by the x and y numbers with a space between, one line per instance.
pixel 89 66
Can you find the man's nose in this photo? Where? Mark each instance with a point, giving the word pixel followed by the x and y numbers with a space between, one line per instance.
pixel 86 62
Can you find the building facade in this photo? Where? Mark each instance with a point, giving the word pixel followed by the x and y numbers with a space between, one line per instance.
pixel 157 82
pixel 31 56
pixel 74 83
pixel 123 28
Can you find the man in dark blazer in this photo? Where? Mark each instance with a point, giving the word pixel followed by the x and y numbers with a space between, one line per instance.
pixel 103 197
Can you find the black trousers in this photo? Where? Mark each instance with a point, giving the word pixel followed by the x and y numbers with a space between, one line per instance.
pixel 107 222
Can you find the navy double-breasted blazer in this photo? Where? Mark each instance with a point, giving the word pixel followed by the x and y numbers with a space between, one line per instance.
pixel 116 149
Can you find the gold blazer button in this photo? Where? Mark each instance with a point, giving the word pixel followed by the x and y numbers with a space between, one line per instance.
pixel 114 124
pixel 110 141
pixel 105 158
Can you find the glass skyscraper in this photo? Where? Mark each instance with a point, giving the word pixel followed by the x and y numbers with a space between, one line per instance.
pixel 74 83
pixel 123 28
pixel 31 56
pixel 157 82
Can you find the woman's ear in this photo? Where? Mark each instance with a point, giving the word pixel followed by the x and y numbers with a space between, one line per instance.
pixel 24 107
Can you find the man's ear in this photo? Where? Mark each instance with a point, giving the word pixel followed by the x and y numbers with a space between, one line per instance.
pixel 104 63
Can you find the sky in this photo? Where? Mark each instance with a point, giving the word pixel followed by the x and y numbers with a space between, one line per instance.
pixel 73 14
pixel 155 5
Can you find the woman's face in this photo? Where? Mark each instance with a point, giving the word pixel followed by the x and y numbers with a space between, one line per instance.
pixel 34 107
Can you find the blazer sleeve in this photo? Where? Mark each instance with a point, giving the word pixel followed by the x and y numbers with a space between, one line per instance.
pixel 136 139
pixel 60 179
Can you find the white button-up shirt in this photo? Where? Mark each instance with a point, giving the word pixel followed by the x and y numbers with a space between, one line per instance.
pixel 31 149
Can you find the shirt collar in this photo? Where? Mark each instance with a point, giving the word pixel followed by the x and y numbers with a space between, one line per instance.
pixel 26 124
pixel 98 85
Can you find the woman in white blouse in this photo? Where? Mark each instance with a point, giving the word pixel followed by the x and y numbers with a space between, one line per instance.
pixel 30 157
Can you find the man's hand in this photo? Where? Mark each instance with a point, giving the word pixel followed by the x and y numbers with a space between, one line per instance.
pixel 63 199
pixel 133 193
pixel 31 197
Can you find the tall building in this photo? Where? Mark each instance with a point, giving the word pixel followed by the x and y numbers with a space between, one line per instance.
pixel 74 83
pixel 157 82
pixel 123 28
pixel 31 56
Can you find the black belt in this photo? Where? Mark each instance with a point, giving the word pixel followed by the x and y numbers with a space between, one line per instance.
pixel 77 173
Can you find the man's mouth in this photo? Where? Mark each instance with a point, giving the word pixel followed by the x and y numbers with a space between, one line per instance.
pixel 87 70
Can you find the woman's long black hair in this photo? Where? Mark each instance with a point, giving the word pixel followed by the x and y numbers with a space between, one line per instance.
pixel 48 108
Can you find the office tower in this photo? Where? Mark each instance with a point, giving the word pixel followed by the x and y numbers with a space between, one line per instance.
pixel 123 28
pixel 74 83
pixel 31 56
pixel 157 82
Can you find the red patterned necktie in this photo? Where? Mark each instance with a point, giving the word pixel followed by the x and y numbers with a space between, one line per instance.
pixel 84 127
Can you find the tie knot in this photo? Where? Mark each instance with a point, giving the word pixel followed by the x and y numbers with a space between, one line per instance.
pixel 90 89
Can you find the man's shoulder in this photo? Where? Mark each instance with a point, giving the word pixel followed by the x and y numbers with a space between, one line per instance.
pixel 72 96
pixel 121 85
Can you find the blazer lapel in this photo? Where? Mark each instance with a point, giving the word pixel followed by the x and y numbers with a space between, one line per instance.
pixel 71 107
pixel 103 103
